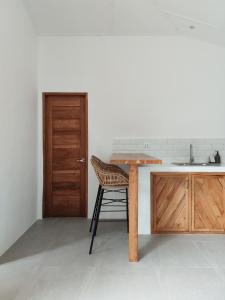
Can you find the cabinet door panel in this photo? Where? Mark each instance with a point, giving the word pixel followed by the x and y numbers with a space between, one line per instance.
pixel 170 202
pixel 208 203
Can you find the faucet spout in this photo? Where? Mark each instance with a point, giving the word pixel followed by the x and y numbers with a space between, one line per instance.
pixel 191 154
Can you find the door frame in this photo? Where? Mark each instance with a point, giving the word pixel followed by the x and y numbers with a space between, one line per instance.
pixel 44 97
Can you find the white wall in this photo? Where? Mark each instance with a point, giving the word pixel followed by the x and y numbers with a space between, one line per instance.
pixel 17 122
pixel 137 86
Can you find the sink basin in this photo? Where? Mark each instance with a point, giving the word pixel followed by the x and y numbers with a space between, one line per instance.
pixel 194 164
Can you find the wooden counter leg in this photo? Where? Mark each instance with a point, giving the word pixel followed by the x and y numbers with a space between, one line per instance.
pixel 133 213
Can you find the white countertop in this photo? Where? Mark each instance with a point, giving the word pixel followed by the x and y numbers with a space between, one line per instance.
pixel 174 168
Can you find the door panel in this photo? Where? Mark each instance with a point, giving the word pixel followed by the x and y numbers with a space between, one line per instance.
pixel 65 143
pixel 67 176
pixel 64 125
pixel 208 203
pixel 65 159
pixel 65 113
pixel 66 138
pixel 170 202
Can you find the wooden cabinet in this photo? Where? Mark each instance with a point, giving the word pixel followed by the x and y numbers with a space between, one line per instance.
pixel 208 203
pixel 170 207
pixel 186 202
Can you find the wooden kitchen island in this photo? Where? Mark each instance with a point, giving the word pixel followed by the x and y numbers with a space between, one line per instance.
pixel 133 160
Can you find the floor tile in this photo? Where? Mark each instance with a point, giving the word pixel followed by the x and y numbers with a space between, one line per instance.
pixel 51 262
pixel 122 285
pixel 213 252
pixel 180 253
pixel 193 283
pixel 61 283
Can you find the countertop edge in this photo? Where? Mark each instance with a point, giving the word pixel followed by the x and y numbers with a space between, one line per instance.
pixel 174 168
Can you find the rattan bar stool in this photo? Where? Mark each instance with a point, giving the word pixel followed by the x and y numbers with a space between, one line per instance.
pixel 111 179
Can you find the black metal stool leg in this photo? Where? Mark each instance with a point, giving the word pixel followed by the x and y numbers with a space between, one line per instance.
pixel 98 210
pixel 96 219
pixel 127 211
pixel 95 209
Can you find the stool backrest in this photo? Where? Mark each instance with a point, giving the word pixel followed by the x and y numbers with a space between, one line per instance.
pixel 107 174
pixel 100 168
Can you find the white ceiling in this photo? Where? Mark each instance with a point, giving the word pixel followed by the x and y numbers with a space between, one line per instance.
pixel 130 17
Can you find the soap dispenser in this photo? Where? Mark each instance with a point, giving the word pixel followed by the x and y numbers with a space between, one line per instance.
pixel 217 158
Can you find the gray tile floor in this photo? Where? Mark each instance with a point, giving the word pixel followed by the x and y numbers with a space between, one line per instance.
pixel 51 262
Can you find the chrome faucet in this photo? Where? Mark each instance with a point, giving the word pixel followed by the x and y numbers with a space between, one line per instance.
pixel 191 154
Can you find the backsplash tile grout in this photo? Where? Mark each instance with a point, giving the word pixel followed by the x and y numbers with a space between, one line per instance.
pixel 170 150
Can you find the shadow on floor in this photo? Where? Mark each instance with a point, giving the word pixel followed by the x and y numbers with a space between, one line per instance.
pixel 152 243
pixel 49 234
pixel 55 233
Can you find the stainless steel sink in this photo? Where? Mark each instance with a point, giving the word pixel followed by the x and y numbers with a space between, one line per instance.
pixel 194 164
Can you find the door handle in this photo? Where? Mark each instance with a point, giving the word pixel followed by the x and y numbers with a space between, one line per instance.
pixel 82 160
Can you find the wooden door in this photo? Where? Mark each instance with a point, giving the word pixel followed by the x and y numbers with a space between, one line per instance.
pixel 65 154
pixel 208 203
pixel 170 202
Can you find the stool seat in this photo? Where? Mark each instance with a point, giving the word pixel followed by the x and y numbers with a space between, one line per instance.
pixel 114 187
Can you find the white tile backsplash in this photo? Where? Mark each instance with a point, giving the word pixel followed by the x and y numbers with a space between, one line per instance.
pixel 170 150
